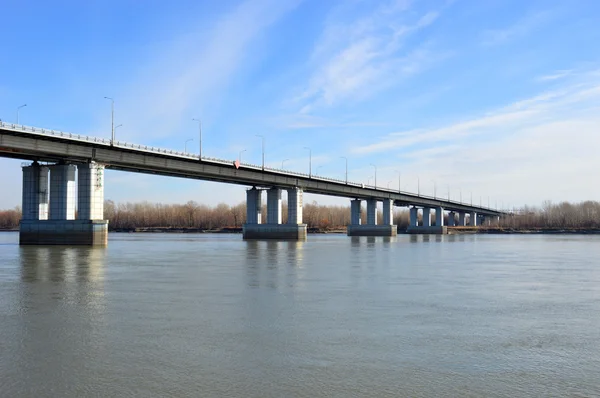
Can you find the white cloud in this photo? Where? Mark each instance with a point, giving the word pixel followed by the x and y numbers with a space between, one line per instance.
pixel 535 149
pixel 186 76
pixel 358 57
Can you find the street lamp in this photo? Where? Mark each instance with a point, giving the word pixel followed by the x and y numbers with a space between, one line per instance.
pixel 375 167
pixel 318 167
pixel 240 156
pixel 112 120
pixel 343 157
pixel 18 108
pixel 282 163
pixel 199 136
pixel 399 186
pixel 309 162
pixel 434 189
pixel 185 145
pixel 263 149
pixel 418 186
pixel 448 192
pixel 388 184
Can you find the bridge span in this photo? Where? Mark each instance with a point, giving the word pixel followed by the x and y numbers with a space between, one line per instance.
pixel 49 214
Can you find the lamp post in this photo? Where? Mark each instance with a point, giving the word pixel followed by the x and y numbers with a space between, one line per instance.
pixel 282 163
pixel 399 186
pixel 418 186
pixel 318 167
pixel 18 109
pixel 263 149
pixel 185 145
pixel 112 120
pixel 240 156
pixel 199 136
pixel 388 184
pixel 434 189
pixel 309 161
pixel 448 192
pixel 375 167
pixel 343 157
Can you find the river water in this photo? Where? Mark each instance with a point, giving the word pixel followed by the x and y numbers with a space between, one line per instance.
pixel 190 315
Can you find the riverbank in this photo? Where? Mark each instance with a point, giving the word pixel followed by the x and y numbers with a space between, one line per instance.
pixel 522 231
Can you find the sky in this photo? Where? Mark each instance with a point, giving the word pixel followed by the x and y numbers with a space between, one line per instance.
pixel 495 100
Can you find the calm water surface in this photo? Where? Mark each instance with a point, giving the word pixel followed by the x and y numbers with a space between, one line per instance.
pixel 171 315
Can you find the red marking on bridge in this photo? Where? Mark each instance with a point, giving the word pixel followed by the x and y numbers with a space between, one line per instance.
pixel 236 164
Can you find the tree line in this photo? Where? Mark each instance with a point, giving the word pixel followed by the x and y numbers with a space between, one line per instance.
pixel 127 216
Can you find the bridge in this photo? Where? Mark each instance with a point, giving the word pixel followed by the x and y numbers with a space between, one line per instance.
pixel 50 198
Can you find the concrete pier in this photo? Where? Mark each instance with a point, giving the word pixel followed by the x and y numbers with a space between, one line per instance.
pixel 451 219
pixel 439 217
pixel 294 229
pixel 473 221
pixel 426 227
pixel 371 228
pixel 426 217
pixel 461 219
pixel 52 222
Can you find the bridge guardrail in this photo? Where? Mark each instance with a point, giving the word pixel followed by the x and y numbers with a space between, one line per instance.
pixel 162 151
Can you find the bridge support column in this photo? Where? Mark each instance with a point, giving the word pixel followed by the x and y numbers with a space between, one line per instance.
pixel 355 212
pixel 61 227
pixel 274 206
pixel 473 219
pixel 451 219
pixel 388 212
pixel 294 229
pixel 371 228
pixel 461 219
pixel 413 217
pixel 439 217
pixel 426 217
pixel 35 192
pixel 371 211
pixel 253 206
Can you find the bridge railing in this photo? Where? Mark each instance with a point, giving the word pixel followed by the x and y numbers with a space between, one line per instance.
pixel 185 155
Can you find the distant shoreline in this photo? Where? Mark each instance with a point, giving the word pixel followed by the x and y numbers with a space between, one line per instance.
pixel 451 231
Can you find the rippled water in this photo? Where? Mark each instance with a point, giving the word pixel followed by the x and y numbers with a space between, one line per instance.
pixel 171 315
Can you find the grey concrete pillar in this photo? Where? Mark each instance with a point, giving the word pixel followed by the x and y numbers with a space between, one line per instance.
pixel 355 212
pixel 294 206
pixel 371 211
pixel 35 192
pixel 253 206
pixel 90 191
pixel 413 214
pixel 426 217
pixel 62 192
pixel 451 219
pixel 388 212
pixel 274 206
pixel 461 219
pixel 439 217
pixel 473 219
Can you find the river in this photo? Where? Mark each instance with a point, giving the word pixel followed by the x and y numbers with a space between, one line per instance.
pixel 178 315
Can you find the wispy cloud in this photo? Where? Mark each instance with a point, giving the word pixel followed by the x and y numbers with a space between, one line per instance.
pixel 518 30
pixel 187 75
pixel 357 57
pixel 545 141
pixel 559 74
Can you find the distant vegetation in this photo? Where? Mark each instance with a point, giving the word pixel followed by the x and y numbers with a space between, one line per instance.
pixel 129 216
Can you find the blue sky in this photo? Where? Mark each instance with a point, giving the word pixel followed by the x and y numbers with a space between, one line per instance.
pixel 500 99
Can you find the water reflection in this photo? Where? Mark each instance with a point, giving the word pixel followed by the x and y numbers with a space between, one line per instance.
pixel 62 264
pixel 273 263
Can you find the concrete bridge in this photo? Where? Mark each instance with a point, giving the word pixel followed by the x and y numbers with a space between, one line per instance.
pixel 50 198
